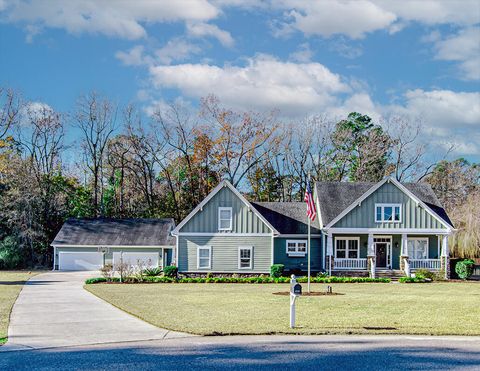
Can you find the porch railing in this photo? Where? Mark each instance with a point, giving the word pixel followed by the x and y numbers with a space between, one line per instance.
pixel 434 264
pixel 349 263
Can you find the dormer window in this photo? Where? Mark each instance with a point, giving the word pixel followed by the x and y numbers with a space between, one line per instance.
pixel 224 218
pixel 388 213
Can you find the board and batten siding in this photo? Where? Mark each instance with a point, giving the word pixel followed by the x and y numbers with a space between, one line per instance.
pixel 244 220
pixel 224 253
pixel 413 216
pixel 290 263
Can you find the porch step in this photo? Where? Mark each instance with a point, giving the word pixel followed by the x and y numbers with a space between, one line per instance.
pixel 393 274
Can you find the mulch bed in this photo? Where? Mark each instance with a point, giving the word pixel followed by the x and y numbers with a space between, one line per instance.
pixel 313 293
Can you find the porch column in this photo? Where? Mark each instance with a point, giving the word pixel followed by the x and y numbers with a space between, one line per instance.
pixel 404 256
pixel 54 258
pixel 329 253
pixel 371 256
pixel 445 258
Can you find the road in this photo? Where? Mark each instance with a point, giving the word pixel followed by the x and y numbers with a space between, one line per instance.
pixel 259 352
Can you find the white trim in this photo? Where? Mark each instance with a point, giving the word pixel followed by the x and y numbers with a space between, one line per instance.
pixel 54 257
pixel 347 246
pixel 383 206
pixel 317 204
pixel 209 248
pixel 419 239
pixel 224 234
pixel 389 231
pixel 296 254
pixel 359 200
pixel 272 242
pixel 117 246
pixel 250 248
pixel 389 252
pixel 297 235
pixel 222 184
pixel 223 208
pixel 232 271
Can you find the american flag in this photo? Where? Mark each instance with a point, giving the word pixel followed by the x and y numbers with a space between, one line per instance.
pixel 311 211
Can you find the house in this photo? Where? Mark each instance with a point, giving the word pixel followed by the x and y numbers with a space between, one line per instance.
pixel 361 229
pixel 89 244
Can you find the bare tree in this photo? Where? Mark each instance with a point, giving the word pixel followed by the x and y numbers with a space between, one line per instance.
pixel 9 110
pixel 96 118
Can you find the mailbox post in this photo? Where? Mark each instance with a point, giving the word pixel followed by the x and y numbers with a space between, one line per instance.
pixel 295 291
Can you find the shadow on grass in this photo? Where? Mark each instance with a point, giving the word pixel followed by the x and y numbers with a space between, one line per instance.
pixel 249 353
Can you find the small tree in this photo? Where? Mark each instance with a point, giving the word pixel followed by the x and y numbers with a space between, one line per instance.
pixel 464 268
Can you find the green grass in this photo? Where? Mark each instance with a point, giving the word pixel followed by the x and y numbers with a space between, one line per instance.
pixel 11 283
pixel 224 309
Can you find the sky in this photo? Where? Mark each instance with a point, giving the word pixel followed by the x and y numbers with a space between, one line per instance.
pixel 415 58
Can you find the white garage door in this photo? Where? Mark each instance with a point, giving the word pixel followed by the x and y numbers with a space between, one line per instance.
pixel 149 259
pixel 80 261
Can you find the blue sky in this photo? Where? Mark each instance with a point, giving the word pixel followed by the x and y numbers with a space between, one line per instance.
pixel 419 59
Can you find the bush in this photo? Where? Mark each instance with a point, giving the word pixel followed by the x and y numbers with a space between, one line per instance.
pixel 107 272
pixel 91 281
pixel 464 268
pixel 276 270
pixel 170 271
pixel 11 256
pixel 151 272
pixel 416 279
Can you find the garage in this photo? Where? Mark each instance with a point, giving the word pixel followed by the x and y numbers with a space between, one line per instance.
pixel 90 244
pixel 80 261
pixel 147 259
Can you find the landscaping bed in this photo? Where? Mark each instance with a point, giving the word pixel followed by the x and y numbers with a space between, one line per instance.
pixel 437 308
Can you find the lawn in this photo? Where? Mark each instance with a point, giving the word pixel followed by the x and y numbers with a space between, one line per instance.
pixel 11 282
pixel 223 309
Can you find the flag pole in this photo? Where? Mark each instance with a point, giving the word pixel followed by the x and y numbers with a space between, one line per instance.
pixel 308 249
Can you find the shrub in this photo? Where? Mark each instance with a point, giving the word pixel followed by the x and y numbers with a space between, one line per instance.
pixel 125 270
pixel 154 271
pixel 276 270
pixel 209 275
pixel 416 279
pixel 425 273
pixel 170 271
pixel 464 268
pixel 91 281
pixel 107 272
pixel 11 256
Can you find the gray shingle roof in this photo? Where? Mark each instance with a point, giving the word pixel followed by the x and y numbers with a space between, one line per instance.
pixel 287 217
pixel 116 232
pixel 334 197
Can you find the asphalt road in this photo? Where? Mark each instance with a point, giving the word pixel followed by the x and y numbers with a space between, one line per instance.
pixel 259 352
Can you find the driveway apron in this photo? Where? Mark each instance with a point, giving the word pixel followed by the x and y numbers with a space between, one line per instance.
pixel 53 310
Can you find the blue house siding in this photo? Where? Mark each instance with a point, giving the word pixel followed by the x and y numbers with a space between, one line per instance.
pixel 244 219
pixel 413 216
pixel 281 256
pixel 224 250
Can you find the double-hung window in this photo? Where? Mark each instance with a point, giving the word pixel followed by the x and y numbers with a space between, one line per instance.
pixel 204 257
pixel 347 248
pixel 296 248
pixel 224 218
pixel 245 257
pixel 417 248
pixel 388 213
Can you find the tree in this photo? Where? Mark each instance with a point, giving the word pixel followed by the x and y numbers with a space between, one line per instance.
pixel 96 118
pixel 9 110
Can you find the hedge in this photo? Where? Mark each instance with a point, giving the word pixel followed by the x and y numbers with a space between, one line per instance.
pixel 253 280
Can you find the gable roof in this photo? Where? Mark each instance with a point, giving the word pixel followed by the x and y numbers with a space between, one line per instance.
pixel 116 232
pixel 287 217
pixel 223 183
pixel 336 199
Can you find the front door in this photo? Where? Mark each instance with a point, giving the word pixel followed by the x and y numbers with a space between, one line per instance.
pixel 383 251
pixel 381 254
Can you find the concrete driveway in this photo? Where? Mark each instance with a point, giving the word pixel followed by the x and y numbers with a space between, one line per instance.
pixel 53 310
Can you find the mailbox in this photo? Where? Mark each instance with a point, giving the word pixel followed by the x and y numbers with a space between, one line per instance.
pixel 297 289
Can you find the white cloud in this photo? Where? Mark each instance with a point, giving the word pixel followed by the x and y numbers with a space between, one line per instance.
pixel 264 83
pixel 133 57
pixel 302 54
pixel 463 47
pixel 120 18
pixel 205 29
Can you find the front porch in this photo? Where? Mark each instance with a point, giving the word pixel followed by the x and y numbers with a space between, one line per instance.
pixel 385 253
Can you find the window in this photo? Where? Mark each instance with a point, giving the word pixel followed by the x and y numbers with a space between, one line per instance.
pixel 204 257
pixel 347 247
pixel 388 213
pixel 296 248
pixel 245 257
pixel 417 248
pixel 224 218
